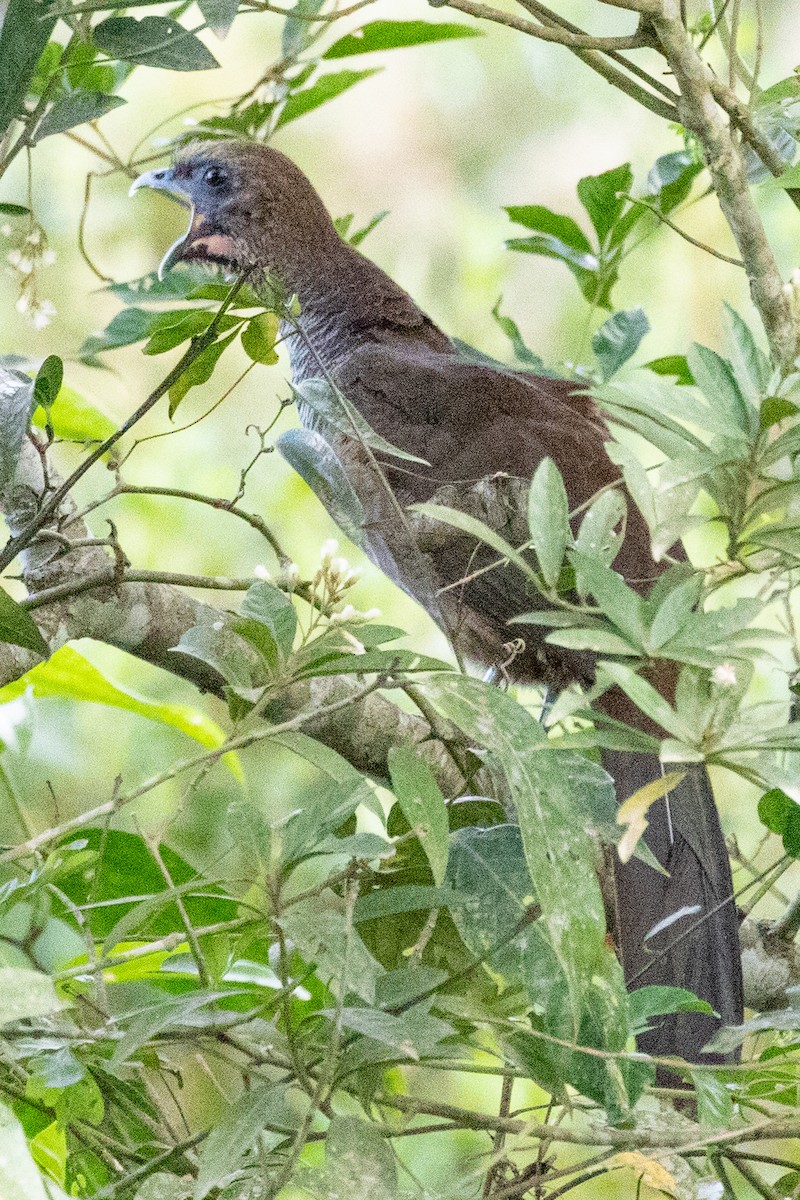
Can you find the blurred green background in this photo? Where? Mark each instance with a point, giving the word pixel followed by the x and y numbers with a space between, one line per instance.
pixel 444 137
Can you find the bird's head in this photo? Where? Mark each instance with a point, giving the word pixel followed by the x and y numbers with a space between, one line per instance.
pixel 250 206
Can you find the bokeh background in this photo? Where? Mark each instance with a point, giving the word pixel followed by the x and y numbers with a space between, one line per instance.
pixel 444 137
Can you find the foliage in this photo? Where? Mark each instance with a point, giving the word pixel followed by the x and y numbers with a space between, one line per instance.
pixel 427 910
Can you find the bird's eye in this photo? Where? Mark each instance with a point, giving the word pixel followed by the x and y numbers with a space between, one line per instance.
pixel 215 177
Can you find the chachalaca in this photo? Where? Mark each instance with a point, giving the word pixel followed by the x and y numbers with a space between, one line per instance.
pixel 483 429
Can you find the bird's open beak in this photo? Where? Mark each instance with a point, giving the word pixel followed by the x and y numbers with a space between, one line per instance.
pixel 163 180
pixel 211 246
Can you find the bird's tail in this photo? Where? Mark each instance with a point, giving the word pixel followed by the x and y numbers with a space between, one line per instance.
pixel 680 928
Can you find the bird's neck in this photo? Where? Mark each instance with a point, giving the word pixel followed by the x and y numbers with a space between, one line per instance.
pixel 345 300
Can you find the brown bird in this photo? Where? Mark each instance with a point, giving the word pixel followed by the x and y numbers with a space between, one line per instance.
pixel 481 431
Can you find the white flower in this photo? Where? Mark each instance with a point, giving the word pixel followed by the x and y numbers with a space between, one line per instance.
pixel 261 572
pixel 292 573
pixel 49 257
pixel 328 550
pixel 34 237
pixel 42 312
pixel 24 265
pixel 5 229
pixel 23 304
pixel 347 614
pixel 371 614
pixel 724 675
pixel 14 257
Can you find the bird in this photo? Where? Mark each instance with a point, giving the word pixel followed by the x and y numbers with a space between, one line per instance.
pixel 475 431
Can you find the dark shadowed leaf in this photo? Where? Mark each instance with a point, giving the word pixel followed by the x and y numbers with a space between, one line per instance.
pixel 272 608
pixel 153 42
pixel 671 177
pixel 23 36
pixel 390 35
pixel 298 31
pixel 199 371
pixel 618 339
pixel 218 14
pixel 310 455
pixel 18 627
pixel 47 383
pixel 599 196
pixel 75 109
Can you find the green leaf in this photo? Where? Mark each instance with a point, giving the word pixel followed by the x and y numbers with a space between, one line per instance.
pixel 674 611
pixel 74 418
pixel 776 409
pixel 237 1132
pixel 750 364
pixel 602 641
pixel 297 32
pixel 25 993
pixel 199 371
pixel 14 210
pixel 18 628
pixel 307 452
pixel 127 327
pixel 559 228
pixel 47 383
pixel 548 519
pixel 618 339
pixel 271 611
pixel 713 375
pixel 164 1187
pixel 391 35
pixel 646 698
pixel 467 524
pixel 660 1001
pixel 672 365
pixel 218 15
pixel 545 789
pixel 153 42
pixel 412 897
pixel 620 604
pixel 324 938
pixel 600 533
pixel 774 808
pixel 332 406
pixel 359 1162
pixel 671 177
pixel 76 108
pixel 19 1176
pixel 714 1101
pixel 489 870
pixel 259 336
pixel 326 88
pixel 24 34
pixel 511 330
pixel 222 650
pixel 16 398
pixel 599 196
pixel 422 802
pixel 68 674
